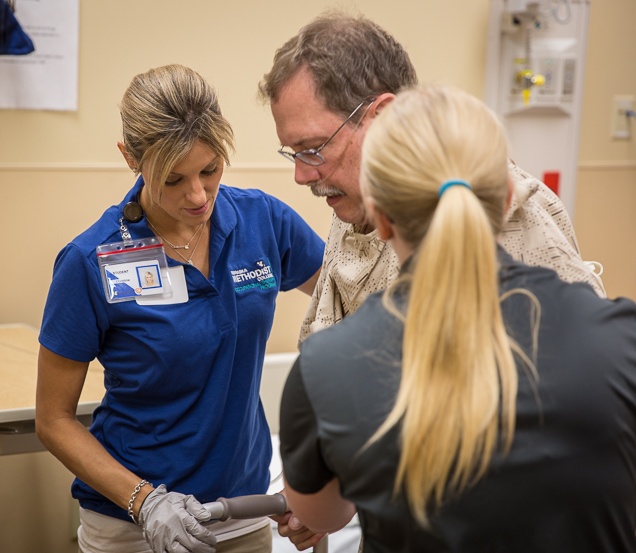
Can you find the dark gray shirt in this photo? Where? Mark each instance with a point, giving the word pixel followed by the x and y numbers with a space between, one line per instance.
pixel 569 482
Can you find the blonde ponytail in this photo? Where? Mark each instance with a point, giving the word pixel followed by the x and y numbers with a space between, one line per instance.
pixel 456 401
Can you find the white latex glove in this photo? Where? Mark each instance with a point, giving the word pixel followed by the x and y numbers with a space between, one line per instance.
pixel 172 521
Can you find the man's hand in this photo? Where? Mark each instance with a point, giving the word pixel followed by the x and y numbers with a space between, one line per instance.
pixel 290 527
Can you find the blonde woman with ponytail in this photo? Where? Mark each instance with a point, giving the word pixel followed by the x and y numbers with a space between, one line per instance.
pixel 478 404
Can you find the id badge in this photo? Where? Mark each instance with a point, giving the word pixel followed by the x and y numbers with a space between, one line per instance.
pixel 179 290
pixel 134 269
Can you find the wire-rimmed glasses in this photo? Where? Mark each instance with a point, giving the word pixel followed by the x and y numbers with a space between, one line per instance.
pixel 312 156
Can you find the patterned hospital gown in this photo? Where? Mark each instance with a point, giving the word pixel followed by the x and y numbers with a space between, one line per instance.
pixel 538 231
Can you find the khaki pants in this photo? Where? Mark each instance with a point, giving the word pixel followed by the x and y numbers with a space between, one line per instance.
pixel 103 534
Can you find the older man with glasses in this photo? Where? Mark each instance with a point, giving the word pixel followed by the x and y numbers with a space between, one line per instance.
pixel 320 81
pixel 326 86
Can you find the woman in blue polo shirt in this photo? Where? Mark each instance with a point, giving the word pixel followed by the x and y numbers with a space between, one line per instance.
pixel 181 417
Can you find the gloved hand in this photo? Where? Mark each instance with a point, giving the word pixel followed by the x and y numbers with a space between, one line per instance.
pixel 171 522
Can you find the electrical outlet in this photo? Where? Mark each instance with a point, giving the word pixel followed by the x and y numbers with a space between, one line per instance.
pixel 621 121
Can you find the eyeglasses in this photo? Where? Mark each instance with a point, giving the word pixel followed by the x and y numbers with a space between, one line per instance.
pixel 312 156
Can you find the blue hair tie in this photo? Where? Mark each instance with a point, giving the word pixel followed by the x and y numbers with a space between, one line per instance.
pixel 449 183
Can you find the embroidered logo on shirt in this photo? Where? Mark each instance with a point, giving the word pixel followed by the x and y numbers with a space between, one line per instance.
pixel 259 276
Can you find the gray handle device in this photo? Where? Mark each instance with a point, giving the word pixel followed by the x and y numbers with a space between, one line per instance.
pixel 254 506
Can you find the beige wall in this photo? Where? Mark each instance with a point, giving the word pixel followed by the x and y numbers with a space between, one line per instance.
pixel 59 171
pixel 605 208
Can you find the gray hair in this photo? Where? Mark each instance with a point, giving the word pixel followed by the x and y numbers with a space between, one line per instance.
pixel 350 58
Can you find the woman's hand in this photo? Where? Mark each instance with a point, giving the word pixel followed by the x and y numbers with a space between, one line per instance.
pixel 171 521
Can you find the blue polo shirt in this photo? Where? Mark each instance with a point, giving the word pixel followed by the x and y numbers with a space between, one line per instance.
pixel 182 381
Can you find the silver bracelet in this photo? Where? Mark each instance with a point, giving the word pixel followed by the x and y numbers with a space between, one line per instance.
pixel 133 496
